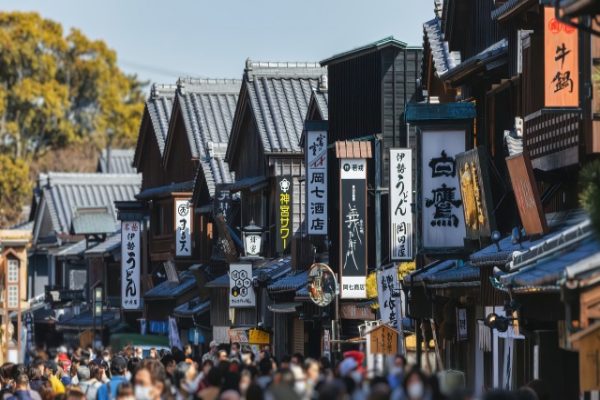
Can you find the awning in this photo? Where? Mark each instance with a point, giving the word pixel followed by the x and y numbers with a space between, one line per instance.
pixel 284 308
pixel 547 273
pixel 85 320
pixel 459 276
pixel 268 271
pixel 420 276
pixel 111 244
pixel 291 282
pixel 171 289
pixel 251 184
pixel 72 249
pixel 192 308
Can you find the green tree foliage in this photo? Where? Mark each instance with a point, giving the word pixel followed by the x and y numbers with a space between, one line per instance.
pixel 15 188
pixel 590 191
pixel 57 90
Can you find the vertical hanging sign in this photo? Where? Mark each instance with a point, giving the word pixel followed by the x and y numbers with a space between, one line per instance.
pixel 353 221
pixel 241 291
pixel 401 235
pixel 183 233
pixel 130 265
pixel 561 62
pixel 316 182
pixel 284 201
pixel 443 221
pixel 389 296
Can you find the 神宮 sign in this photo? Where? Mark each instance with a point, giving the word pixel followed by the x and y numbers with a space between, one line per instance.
pixel 285 199
pixel 443 221
pixel 183 221
pixel 561 62
pixel 130 265
pixel 353 221
pixel 316 182
pixel 241 291
pixel 401 198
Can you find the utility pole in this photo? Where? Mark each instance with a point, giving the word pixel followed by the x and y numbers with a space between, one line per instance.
pixel 377 201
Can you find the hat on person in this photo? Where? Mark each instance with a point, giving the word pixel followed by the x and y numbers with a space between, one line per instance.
pixel 52 366
pixel 348 365
pixel 118 363
pixel 61 349
pixel 64 361
pixel 213 344
pixel 83 373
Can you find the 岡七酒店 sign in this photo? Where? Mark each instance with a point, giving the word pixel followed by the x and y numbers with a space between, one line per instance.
pixel 353 227
pixel 316 182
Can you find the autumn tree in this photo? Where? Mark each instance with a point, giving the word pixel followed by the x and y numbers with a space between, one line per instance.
pixel 57 90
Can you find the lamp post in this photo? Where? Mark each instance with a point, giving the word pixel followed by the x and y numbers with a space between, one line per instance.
pixel 97 310
pixel 252 236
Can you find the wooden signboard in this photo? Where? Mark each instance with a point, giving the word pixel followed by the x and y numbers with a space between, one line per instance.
pixel 383 340
pixel 352 311
pixel 587 342
pixel 561 62
pixel 526 194
pixel 225 240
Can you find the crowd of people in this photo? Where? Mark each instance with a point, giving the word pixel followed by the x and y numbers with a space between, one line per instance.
pixel 222 374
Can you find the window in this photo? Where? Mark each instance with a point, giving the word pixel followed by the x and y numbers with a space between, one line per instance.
pixel 13 296
pixel 13 271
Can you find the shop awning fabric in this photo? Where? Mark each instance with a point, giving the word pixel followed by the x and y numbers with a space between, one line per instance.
pixel 171 289
pixel 85 320
pixel 192 308
pixel 284 308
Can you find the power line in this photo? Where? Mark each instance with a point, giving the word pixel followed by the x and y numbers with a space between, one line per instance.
pixel 157 70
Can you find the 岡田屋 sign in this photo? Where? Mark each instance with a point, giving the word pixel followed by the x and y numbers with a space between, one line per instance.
pixel 130 265
pixel 353 221
pixel 241 291
pixel 183 233
pixel 284 218
pixel 401 235
pixel 316 182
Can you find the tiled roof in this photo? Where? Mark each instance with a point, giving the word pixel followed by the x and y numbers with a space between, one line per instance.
pixel 207 107
pixel 319 100
pixel 423 274
pixel 558 224
pixel 64 192
pixel 443 59
pixel 278 94
pixel 170 289
pixel 85 320
pixel 92 220
pixel 292 281
pixel 192 307
pixel 159 106
pixel 72 249
pixel 547 273
pixel 379 44
pixel 269 271
pixel 480 59
pixel 121 161
pixel 112 243
pixel 510 6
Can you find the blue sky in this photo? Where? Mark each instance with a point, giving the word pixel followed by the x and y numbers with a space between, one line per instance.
pixel 161 40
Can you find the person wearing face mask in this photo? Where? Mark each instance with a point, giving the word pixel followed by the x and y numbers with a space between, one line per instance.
pixel 151 381
pixel 415 385
pixel 118 367
pixel 186 380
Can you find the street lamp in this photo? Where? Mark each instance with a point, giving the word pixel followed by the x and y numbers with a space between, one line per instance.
pixel 97 309
pixel 252 237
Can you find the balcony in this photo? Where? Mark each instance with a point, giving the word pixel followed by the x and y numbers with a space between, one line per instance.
pixel 552 137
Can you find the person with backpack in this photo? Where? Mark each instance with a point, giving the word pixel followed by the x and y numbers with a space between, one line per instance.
pixel 118 367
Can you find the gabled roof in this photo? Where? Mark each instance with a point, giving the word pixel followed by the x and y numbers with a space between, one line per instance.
pixel 511 8
pixel 156 116
pixel 63 192
pixel 121 161
pixel 92 220
pixel 368 48
pixel 207 107
pixel 319 100
pixel 477 62
pixel 443 59
pixel 277 94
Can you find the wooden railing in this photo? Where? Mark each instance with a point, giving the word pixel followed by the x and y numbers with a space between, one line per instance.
pixel 552 137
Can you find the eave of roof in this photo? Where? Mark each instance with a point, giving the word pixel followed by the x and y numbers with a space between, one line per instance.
pixel 166 190
pixel 476 63
pixel 512 8
pixel 368 48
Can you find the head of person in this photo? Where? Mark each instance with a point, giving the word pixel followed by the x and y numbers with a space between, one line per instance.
pixel 187 350
pixel 245 381
pixel 235 348
pixel 214 377
pixel 168 361
pixel 265 366
pixel 37 368
pixel 213 346
pixel 207 365
pixel 297 359
pixel 415 385
pixel 106 356
pixel 84 373
pixel 51 368
pixel 75 393
pixel 150 380
pixel 125 391
pixel 186 378
pixel 132 365
pixel 153 353
pixel 247 357
pixel 222 356
pixel 22 382
pixel 312 369
pixel 118 366
pixel 285 362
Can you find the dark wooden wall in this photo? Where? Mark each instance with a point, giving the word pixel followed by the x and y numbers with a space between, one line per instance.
pixel 180 167
pixel 248 158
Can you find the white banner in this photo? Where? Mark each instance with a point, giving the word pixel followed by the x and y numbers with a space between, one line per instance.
pixel 174 339
pixel 443 222
pixel 131 264
pixel 389 297
pixel 316 182
pixel 401 198
pixel 183 234
pixel 241 291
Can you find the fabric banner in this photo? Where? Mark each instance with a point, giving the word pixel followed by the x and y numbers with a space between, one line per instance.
pixel 174 339
pixel 353 220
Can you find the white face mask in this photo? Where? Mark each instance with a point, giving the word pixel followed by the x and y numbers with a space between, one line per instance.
pixel 415 390
pixel 143 392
